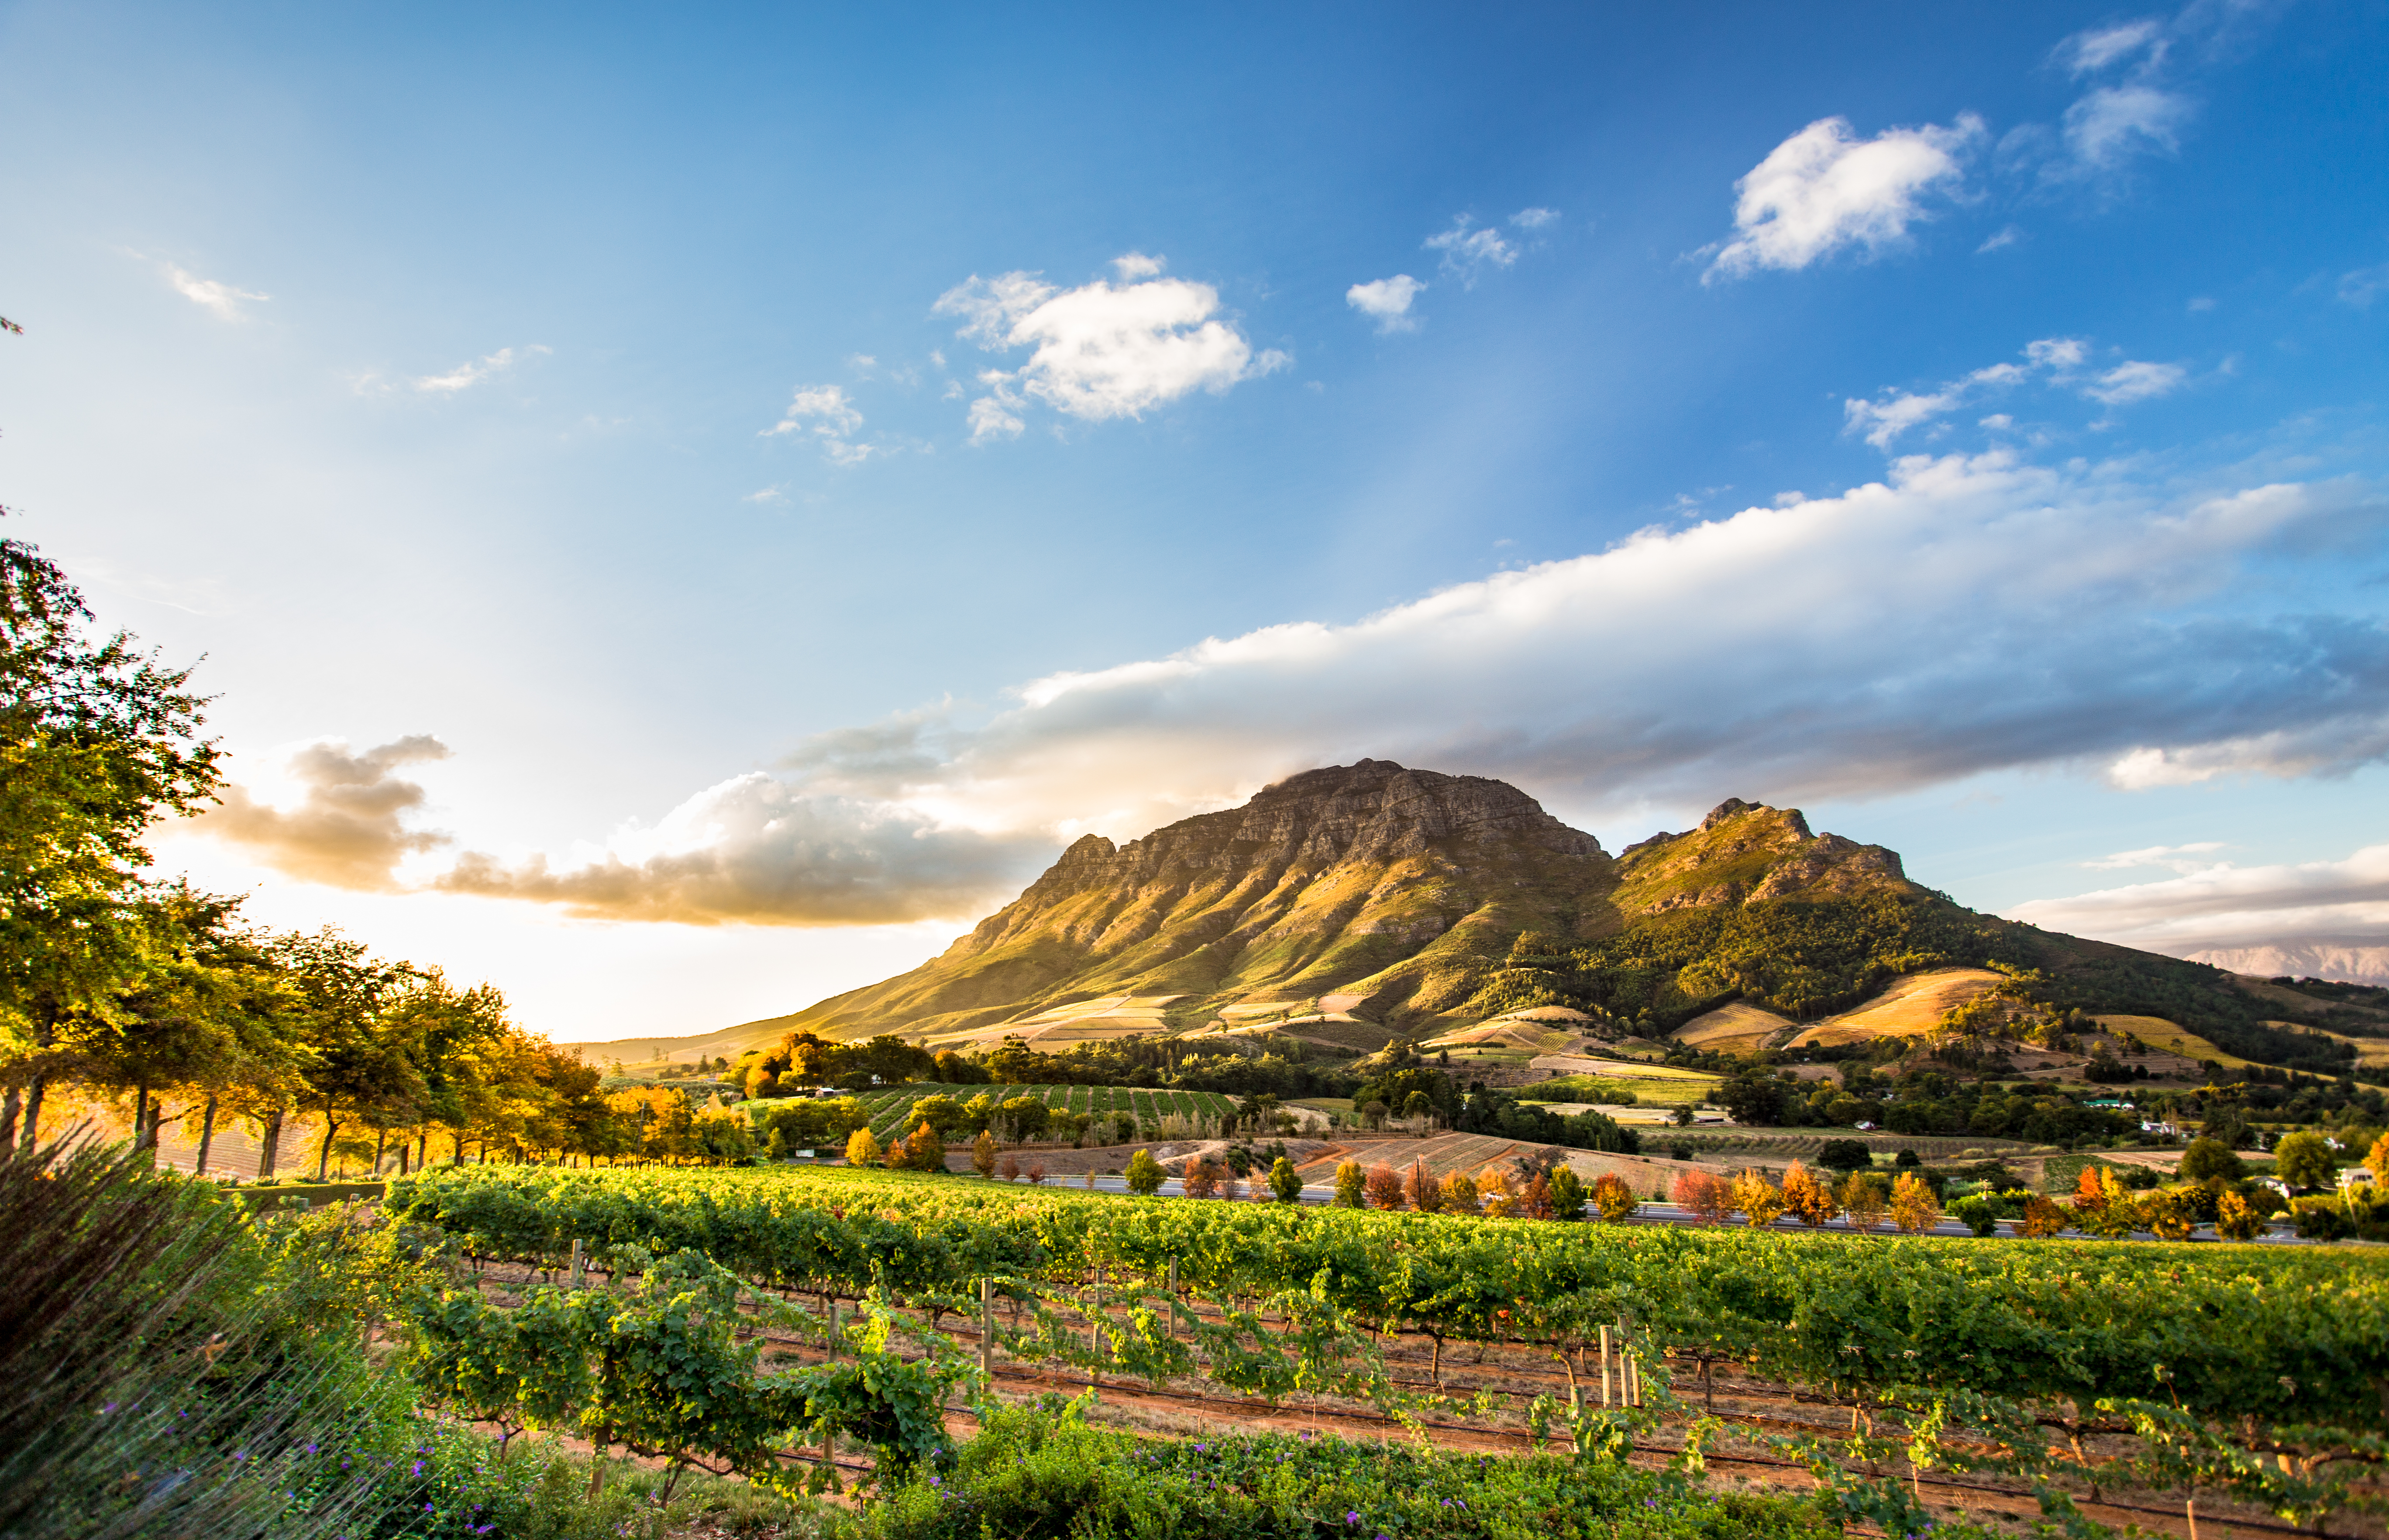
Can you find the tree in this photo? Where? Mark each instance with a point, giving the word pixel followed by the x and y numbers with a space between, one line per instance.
pixel 1284 1181
pixel 1567 1193
pixel 96 742
pixel 1025 1117
pixel 2211 1158
pixel 924 1151
pixel 1844 1155
pixel 2235 1220
pixel 1424 1193
pixel 1864 1196
pixel 1704 1196
pixel 1806 1199
pixel 1913 1207
pixel 2377 1160
pixel 1613 1200
pixel 1384 1187
pixel 1204 1178
pixel 1350 1180
pixel 861 1149
pixel 1145 1173
pixel 1459 1194
pixel 2043 1217
pixel 1760 1200
pixel 983 1155
pixel 2305 1159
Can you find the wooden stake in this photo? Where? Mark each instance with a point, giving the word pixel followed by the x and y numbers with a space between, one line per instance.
pixel 987 1330
pixel 578 1263
pixel 1604 1366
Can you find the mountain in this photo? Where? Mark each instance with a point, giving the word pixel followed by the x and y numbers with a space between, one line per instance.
pixel 1357 904
pixel 2347 962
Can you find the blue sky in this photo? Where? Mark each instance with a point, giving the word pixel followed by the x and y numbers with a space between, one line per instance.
pixel 569 436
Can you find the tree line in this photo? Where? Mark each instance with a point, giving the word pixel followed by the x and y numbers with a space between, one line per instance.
pixel 119 985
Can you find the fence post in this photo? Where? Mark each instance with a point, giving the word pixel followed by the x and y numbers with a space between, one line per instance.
pixel 1173 1297
pixel 1604 1366
pixel 579 1262
pixel 987 1330
pixel 831 1353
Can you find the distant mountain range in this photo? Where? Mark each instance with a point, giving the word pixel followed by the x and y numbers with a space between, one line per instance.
pixel 2348 963
pixel 1373 901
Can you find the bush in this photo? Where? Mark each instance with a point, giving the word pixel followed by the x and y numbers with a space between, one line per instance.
pixel 1349 1185
pixel 1145 1173
pixel 1977 1214
pixel 1285 1182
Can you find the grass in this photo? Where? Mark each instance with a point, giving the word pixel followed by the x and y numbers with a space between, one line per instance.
pixel 1733 1029
pixel 2157 1032
pixel 1911 1005
pixel 1589 1088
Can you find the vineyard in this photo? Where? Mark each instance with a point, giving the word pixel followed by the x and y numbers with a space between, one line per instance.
pixel 1149 1108
pixel 2054 1373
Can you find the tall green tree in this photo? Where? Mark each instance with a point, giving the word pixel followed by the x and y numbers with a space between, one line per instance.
pixel 97 739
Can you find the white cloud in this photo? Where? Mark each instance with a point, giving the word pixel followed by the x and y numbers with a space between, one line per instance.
pixel 1101 352
pixel 347 828
pixel 1966 614
pixel 1387 302
pixel 753 850
pixel 466 376
pixel 2088 52
pixel 1466 252
pixel 1136 264
pixel 2136 382
pixel 1534 219
pixel 2007 235
pixel 220 297
pixel 2111 125
pixel 2169 856
pixel 2363 286
pixel 827 413
pixel 1824 189
pixel 2220 905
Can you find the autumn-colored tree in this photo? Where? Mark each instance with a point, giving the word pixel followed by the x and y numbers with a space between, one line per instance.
pixel 1806 1199
pixel 1384 1188
pixel 1759 1200
pixel 1350 1182
pixel 1704 1196
pixel 1459 1193
pixel 2169 1216
pixel 2236 1220
pixel 1864 1196
pixel 1203 1177
pixel 1614 1200
pixel 1913 1207
pixel 1009 1167
pixel 983 1154
pixel 2377 1160
pixel 1497 1194
pixel 861 1149
pixel 924 1151
pixel 2043 1217
pixel 1421 1189
pixel 1036 1173
pixel 1535 1198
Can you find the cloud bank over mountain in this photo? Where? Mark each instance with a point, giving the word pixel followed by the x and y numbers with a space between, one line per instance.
pixel 1967 613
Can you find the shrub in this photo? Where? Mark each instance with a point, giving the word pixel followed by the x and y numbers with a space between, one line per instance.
pixel 1977 1214
pixel 1203 1177
pixel 2043 1217
pixel 1145 1173
pixel 1350 1185
pixel 2235 1220
pixel 1384 1188
pixel 983 1154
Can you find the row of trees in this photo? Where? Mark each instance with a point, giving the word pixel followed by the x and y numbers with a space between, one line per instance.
pixel 119 987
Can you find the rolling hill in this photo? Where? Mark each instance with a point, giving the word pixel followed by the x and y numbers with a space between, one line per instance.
pixel 1353 905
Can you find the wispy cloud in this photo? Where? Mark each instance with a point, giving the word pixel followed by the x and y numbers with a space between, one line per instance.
pixel 1467 252
pixel 2053 360
pixel 1101 350
pixel 1387 302
pixel 2088 52
pixel 827 413
pixel 2174 857
pixel 1534 219
pixel 2364 285
pixel 473 372
pixel 208 294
